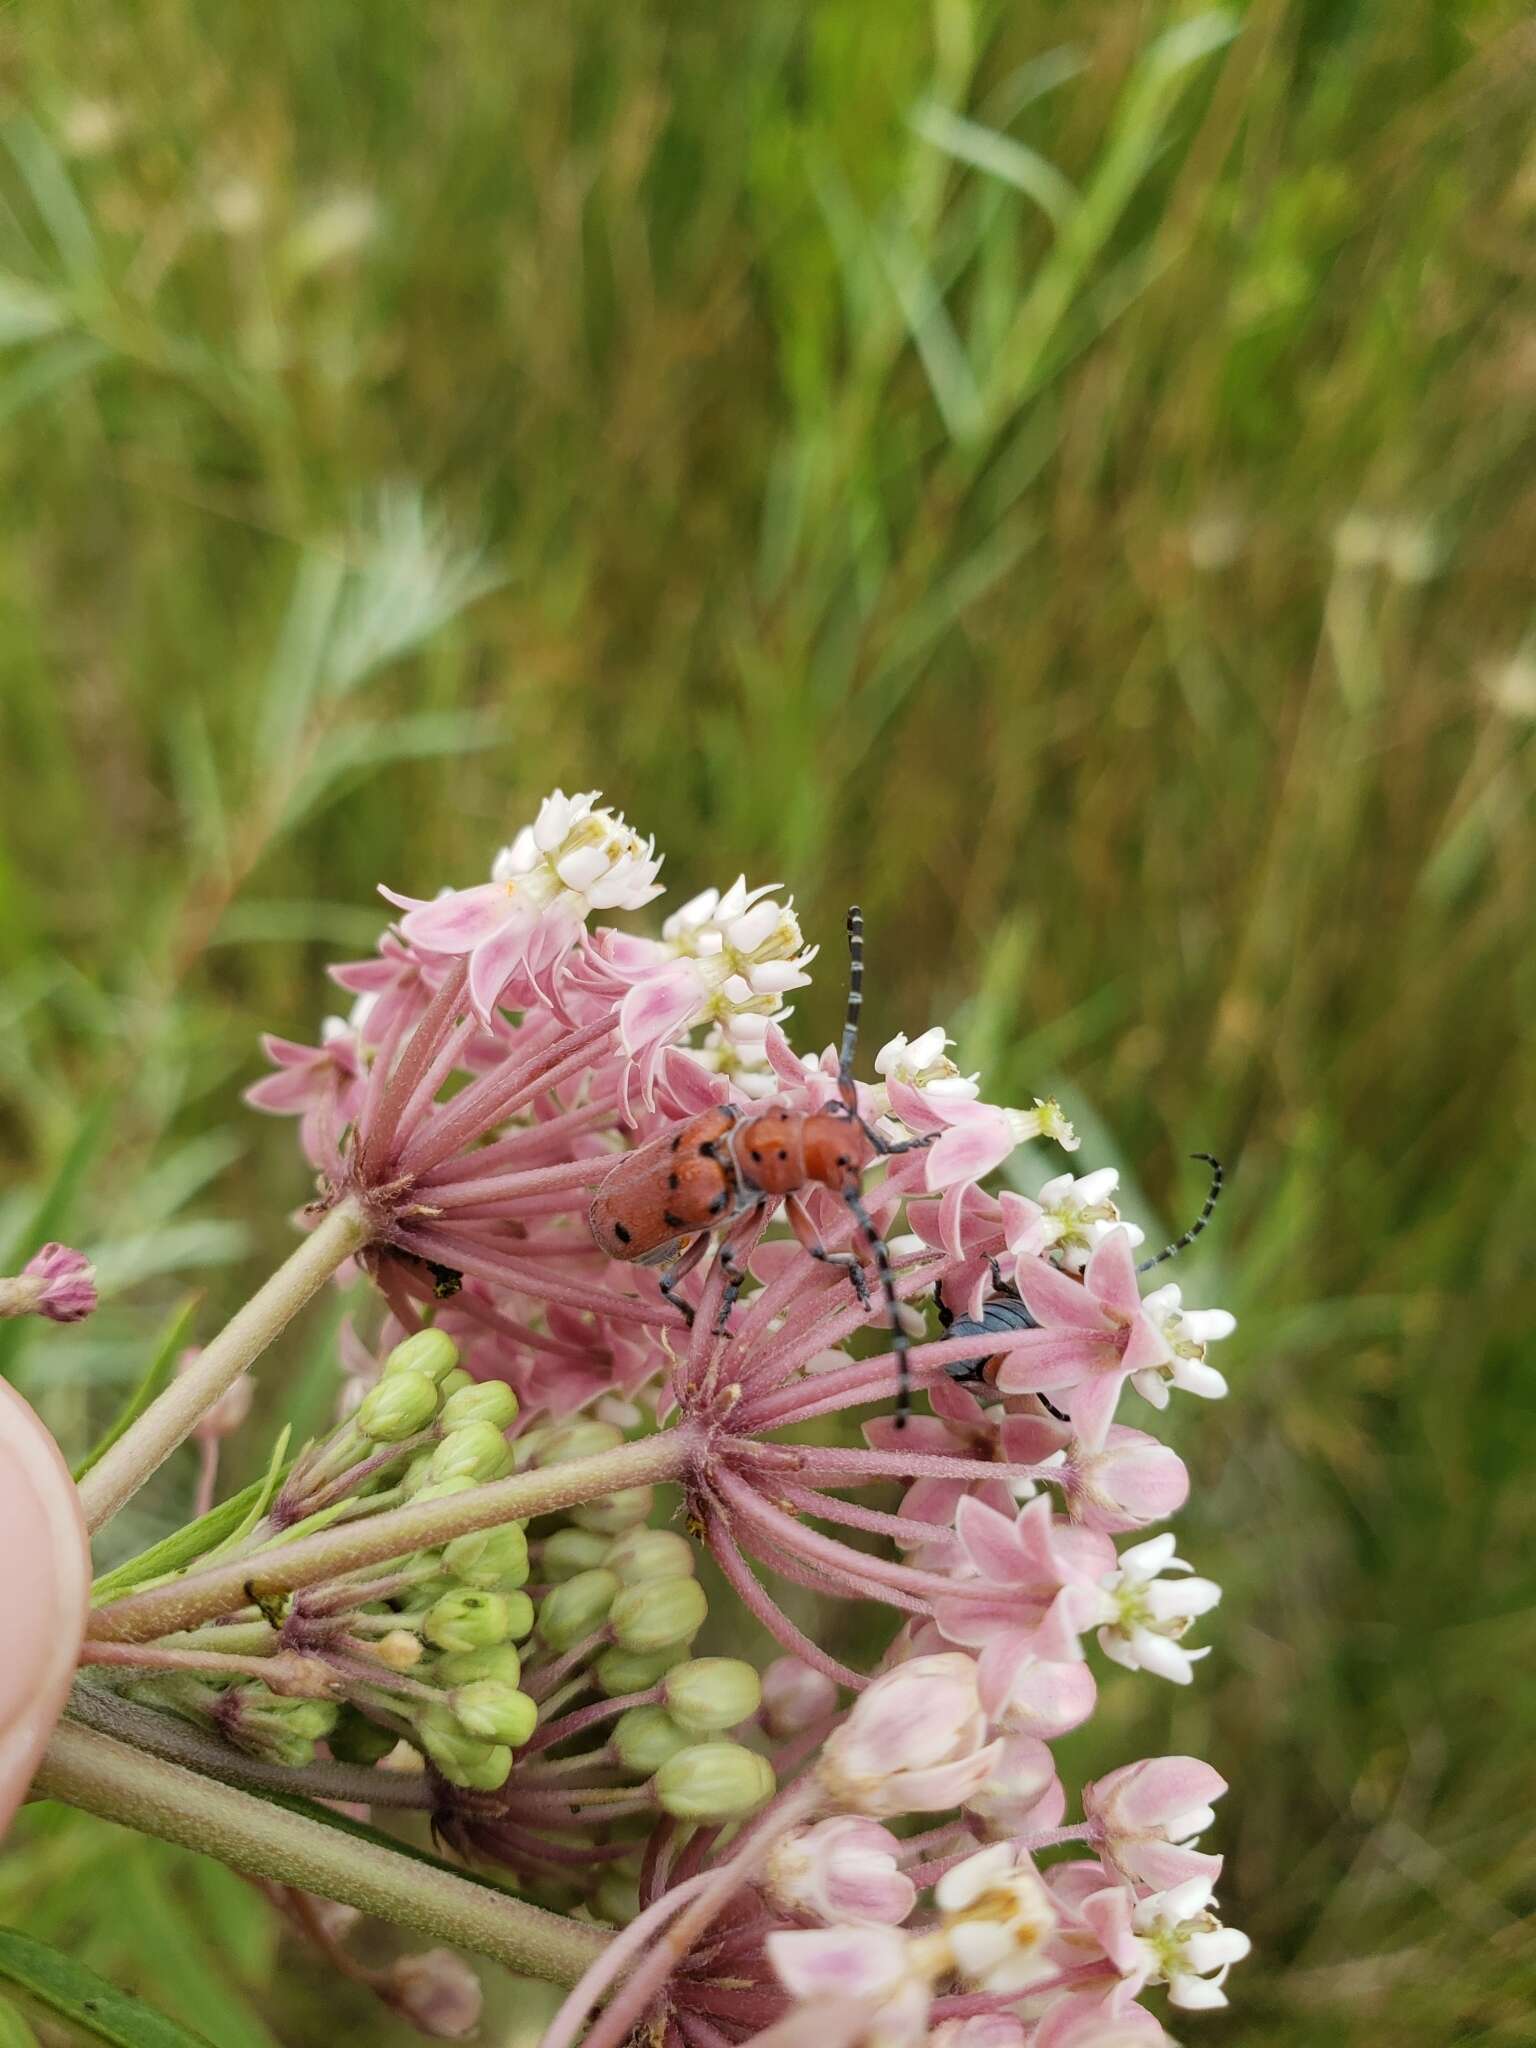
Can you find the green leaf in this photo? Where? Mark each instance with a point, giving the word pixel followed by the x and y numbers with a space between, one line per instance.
pixel 85 2001
pixel 263 1492
pixel 157 1374
pixel 163 1560
pixel 14 2031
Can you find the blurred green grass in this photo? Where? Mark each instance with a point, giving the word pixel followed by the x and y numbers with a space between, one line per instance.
pixel 1059 475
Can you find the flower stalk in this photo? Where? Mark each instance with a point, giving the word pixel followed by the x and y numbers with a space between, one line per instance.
pixel 105 1777
pixel 167 1423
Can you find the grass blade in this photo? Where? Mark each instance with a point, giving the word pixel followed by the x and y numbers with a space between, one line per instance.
pixel 83 2000
pixel 156 1374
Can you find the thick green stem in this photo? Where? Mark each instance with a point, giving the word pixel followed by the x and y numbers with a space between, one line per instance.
pixel 224 1588
pixel 104 1777
pixel 169 1421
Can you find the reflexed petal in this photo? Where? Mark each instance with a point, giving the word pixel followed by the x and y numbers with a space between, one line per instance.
pixel 464 919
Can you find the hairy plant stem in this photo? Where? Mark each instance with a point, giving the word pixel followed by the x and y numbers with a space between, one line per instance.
pixel 105 1777
pixel 167 1423
pixel 224 1588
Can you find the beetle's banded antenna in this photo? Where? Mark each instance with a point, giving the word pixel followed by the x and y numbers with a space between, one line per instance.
pixel 899 1342
pixel 855 1004
pixel 1171 1251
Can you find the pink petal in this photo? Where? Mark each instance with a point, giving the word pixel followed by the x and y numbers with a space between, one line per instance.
pixel 1055 1300
pixel 1038 1360
pixel 1092 1406
pixel 287 1052
pixel 1111 1273
pixel 658 1008
pixel 991 1544
pixel 838 1962
pixel 463 920
pixel 492 965
pixel 284 1094
pixel 1146 1346
pixel 967 1152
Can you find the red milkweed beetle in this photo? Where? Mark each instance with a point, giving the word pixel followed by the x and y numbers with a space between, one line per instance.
pixel 659 1204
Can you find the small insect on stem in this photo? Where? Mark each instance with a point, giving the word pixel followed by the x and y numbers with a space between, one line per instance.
pixel 658 1205
pixel 1003 1311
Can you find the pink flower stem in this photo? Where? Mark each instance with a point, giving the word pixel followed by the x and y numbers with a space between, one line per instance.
pixel 207 1476
pixel 473 1188
pixel 565 2027
pixel 863 1468
pixel 728 1556
pixel 858 1565
pixel 492 1099
pixel 542 1683
pixel 818 1577
pixel 155 1657
pixel 532 1280
pixel 765 1409
pixel 902 1528
pixel 712 1895
pixel 589 1717
pixel 374 1148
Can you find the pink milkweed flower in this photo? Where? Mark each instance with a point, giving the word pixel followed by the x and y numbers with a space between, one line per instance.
pixel 321 1084
pixel 723 958
pixel 1171 1938
pixel 914 1742
pixel 1187 1332
pixel 1028 1695
pixel 1093 1336
pixel 998 1918
pixel 1131 1481
pixel 977 1136
pixel 888 1973
pixel 1144 1615
pixel 841 1870
pixel 575 858
pixel 1043 1581
pixel 923 1063
pixel 57 1282
pixel 1149 1813
pixel 1076 1215
pixel 795 1698
pixel 1087 2019
pixel 985 2030
pixel 1023 1793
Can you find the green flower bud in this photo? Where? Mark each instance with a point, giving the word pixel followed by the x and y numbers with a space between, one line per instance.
pixel 399 1406
pixel 494 1712
pixel 277 1729
pixel 357 1740
pixel 490 1401
pixel 570 1551
pixel 617 1898
pixel 615 1512
pixel 708 1694
pixel 520 1615
pixel 454 1381
pixel 662 1611
pixel 467 1620
pixel 490 1558
pixel 440 1489
pixel 641 1554
pixel 713 1782
pixel 469 1667
pixel 568 1613
pixel 463 1759
pixel 415 1474
pixel 645 1738
pixel 478 1451
pixel 624 1671
pixel 432 1352
pixel 581 1437
pixel 526 1448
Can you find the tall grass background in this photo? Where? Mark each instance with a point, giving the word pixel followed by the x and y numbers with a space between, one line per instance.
pixel 1060 475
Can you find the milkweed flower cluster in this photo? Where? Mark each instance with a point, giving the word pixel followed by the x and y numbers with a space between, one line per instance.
pixel 796 1846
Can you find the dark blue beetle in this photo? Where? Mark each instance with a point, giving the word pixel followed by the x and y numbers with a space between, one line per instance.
pixel 1003 1312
